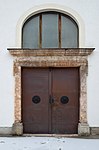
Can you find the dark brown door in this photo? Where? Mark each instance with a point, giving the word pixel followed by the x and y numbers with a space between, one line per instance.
pixel 50 100
pixel 35 100
pixel 65 88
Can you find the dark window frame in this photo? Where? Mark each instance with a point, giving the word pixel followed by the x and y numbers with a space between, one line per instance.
pixel 59 28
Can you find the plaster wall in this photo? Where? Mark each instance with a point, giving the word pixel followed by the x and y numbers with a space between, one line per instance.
pixel 11 14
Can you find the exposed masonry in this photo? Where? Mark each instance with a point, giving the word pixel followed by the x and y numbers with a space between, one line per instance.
pixel 76 57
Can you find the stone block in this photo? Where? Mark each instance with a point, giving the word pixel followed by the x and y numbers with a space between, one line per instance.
pixel 17 129
pixel 83 129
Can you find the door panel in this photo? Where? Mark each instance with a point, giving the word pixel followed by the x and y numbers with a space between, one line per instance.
pixel 65 116
pixel 35 115
pixel 53 114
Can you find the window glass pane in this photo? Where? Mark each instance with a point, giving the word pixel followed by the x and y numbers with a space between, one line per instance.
pixel 31 33
pixel 50 31
pixel 69 33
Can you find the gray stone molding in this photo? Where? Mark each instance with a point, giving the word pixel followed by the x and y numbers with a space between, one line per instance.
pixel 94 130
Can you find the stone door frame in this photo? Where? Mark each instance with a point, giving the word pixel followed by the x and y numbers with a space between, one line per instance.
pixel 76 57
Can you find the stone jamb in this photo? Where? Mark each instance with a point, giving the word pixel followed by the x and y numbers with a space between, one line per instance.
pixel 46 58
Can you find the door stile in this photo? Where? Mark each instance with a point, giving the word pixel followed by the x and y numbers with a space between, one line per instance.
pixel 50 95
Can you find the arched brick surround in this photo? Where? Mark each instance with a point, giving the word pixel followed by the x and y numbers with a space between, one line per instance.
pixel 76 57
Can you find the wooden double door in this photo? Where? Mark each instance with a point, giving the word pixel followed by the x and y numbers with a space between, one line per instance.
pixel 50 100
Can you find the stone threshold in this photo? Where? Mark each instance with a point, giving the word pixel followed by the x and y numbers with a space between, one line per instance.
pixel 51 135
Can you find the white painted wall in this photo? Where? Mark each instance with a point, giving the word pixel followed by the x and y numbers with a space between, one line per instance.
pixel 10 14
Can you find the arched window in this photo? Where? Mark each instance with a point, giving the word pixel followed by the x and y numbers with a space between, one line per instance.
pixel 50 30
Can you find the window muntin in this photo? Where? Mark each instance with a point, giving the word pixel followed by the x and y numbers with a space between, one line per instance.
pixel 50 30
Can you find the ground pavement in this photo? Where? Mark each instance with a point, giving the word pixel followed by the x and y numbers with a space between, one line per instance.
pixel 48 143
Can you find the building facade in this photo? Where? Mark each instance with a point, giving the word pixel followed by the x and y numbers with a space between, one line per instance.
pixel 49 67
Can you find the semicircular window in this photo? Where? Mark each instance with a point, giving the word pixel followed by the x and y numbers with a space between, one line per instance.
pixel 50 30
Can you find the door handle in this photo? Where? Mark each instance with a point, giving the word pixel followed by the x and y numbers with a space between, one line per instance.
pixel 51 100
pixel 64 99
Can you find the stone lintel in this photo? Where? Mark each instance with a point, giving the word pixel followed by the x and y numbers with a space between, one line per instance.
pixel 51 52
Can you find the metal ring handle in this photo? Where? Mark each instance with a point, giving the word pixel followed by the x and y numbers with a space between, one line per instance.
pixel 64 99
pixel 36 99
